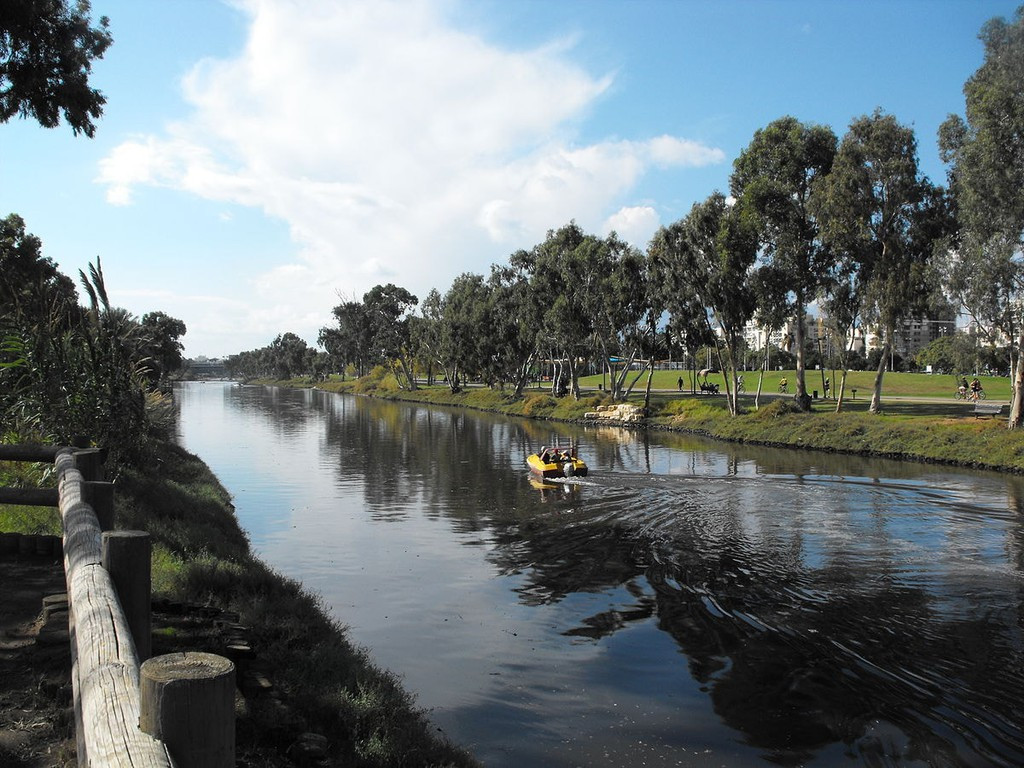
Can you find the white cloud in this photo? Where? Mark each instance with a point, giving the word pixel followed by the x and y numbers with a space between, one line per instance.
pixel 636 224
pixel 396 147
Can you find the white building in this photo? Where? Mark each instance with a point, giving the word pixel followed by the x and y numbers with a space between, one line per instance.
pixel 911 336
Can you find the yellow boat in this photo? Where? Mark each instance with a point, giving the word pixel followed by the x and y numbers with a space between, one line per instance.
pixel 555 462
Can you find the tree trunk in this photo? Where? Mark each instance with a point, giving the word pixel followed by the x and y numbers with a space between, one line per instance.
pixel 802 400
pixel 760 378
pixel 883 364
pixel 407 373
pixel 524 376
pixel 726 373
pixel 1017 405
pixel 842 392
pixel 647 392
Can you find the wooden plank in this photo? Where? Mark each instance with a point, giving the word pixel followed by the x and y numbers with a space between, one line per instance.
pixel 30 497
pixel 112 736
pixel 106 666
pixel 44 453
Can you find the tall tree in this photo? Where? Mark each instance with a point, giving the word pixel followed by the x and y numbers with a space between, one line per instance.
pixel 876 207
pixel 513 325
pixel 350 343
pixel 161 347
pixel 289 354
pixel 706 261
pixel 774 178
pixel 387 309
pixel 986 152
pixel 47 48
pixel 464 343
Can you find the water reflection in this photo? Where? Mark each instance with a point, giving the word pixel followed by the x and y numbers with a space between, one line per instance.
pixel 751 604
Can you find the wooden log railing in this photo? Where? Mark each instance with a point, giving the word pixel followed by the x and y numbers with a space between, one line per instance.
pixel 104 652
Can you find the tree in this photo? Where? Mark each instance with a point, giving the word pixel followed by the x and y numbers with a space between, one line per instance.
pixel 46 52
pixel 351 342
pixel 706 259
pixel 463 346
pixel 955 353
pixel 513 326
pixel 774 178
pixel 387 311
pixel 880 212
pixel 30 283
pixel 986 177
pixel 160 346
pixel 289 355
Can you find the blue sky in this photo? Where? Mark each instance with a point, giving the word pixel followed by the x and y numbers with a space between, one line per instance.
pixel 260 161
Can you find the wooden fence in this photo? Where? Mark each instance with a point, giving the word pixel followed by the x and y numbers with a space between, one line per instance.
pixel 130 710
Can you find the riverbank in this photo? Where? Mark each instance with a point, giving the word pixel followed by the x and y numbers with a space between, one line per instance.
pixel 309 696
pixel 909 430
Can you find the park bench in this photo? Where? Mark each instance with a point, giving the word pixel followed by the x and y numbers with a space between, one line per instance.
pixel 987 409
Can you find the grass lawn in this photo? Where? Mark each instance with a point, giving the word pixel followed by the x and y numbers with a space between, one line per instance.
pixel 923 385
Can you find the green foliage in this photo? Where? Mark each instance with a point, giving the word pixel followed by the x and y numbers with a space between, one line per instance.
pixel 46 52
pixel 949 354
pixel 20 519
pixel 69 373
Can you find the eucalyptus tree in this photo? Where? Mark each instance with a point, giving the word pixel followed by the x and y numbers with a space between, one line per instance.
pixel 706 260
pixel 688 321
pixel 560 274
pixel 387 310
pixel 350 343
pixel 425 334
pixel 464 347
pixel 771 315
pixel 626 313
pixel 880 211
pixel 47 48
pixel 290 356
pixel 512 324
pixel 774 178
pixel 986 152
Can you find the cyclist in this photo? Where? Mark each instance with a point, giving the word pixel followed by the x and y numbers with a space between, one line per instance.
pixel 975 388
pixel 783 385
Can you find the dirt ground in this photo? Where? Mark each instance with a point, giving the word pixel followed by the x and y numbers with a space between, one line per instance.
pixel 36 714
pixel 36 702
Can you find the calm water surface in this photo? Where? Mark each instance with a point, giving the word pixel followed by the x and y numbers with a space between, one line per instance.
pixel 688 604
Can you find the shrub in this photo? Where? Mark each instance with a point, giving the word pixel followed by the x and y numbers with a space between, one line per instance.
pixel 779 407
pixel 536 404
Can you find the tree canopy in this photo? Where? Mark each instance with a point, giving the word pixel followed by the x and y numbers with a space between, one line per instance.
pixel 986 153
pixel 47 48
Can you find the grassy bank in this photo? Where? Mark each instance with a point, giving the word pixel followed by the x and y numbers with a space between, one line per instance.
pixel 945 432
pixel 322 683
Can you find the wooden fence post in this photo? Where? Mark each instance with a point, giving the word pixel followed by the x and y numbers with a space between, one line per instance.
pixel 100 496
pixel 89 461
pixel 127 557
pixel 187 700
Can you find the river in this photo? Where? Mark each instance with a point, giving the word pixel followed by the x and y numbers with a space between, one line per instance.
pixel 688 603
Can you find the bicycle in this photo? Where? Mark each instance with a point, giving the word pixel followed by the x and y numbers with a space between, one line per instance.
pixel 783 387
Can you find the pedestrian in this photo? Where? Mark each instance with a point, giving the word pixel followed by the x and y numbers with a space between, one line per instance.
pixel 826 387
pixel 680 383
